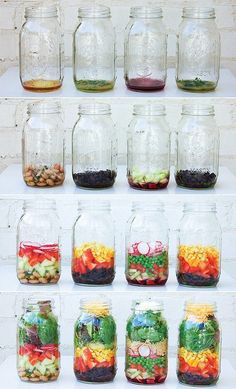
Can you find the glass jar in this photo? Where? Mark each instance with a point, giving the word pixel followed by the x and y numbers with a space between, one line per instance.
pixel 147 245
pixel 43 146
pixel 198 51
pixel 199 246
pixel 94 147
pixel 41 50
pixel 95 342
pixel 38 355
pixel 148 148
pixel 93 259
pixel 145 50
pixel 198 142
pixel 38 238
pixel 146 344
pixel 94 50
pixel 199 345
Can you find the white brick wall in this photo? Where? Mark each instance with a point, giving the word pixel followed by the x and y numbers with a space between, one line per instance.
pixel 67 308
pixel 12 17
pixel 13 115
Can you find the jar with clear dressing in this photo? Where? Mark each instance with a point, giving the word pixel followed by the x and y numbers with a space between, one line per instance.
pixel 198 51
pixel 41 50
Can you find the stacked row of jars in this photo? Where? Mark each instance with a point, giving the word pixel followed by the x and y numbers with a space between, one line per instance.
pixel 41 54
pixel 95 343
pixel 94 147
pixel 147 241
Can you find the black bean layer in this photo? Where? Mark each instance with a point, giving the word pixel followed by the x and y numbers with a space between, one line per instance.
pixel 195 179
pixel 195 379
pixel 96 276
pixel 97 374
pixel 196 280
pixel 95 179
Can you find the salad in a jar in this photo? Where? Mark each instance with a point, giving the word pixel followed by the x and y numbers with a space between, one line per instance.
pixel 38 356
pixel 199 346
pixel 147 263
pixel 146 344
pixel 93 263
pixel 95 342
pixel 38 263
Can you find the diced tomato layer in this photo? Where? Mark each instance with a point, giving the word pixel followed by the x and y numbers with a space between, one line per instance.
pixel 205 268
pixel 209 369
pixel 36 353
pixel 39 253
pixel 86 361
pixel 87 262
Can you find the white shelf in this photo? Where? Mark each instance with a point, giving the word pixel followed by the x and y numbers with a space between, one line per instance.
pixel 10 283
pixel 10 86
pixel 11 183
pixel 9 378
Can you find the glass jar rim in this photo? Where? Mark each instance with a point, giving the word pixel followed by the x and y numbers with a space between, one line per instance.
pixel 94 205
pixel 198 307
pixel 149 110
pixel 199 12
pixel 41 11
pixel 94 11
pixel 39 205
pixel 94 109
pixel 200 207
pixel 149 12
pixel 148 304
pixel 42 107
pixel 151 206
pixel 100 305
pixel 33 303
pixel 198 110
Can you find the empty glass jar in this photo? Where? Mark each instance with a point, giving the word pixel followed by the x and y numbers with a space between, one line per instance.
pixel 145 50
pixel 41 50
pixel 147 245
pixel 38 243
pixel 94 50
pixel 199 246
pixel 93 259
pixel 148 148
pixel 198 50
pixel 95 342
pixel 198 142
pixel 43 145
pixel 199 345
pixel 146 344
pixel 38 355
pixel 94 147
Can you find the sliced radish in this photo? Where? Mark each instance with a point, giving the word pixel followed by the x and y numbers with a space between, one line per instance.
pixel 144 350
pixel 143 248
pixel 131 250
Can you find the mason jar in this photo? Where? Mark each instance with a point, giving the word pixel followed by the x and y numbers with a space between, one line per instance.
pixel 198 142
pixel 94 147
pixel 199 345
pixel 148 148
pixel 95 341
pixel 146 343
pixel 147 238
pixel 94 50
pixel 145 49
pixel 38 354
pixel 198 51
pixel 41 50
pixel 38 243
pixel 199 246
pixel 93 260
pixel 43 146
